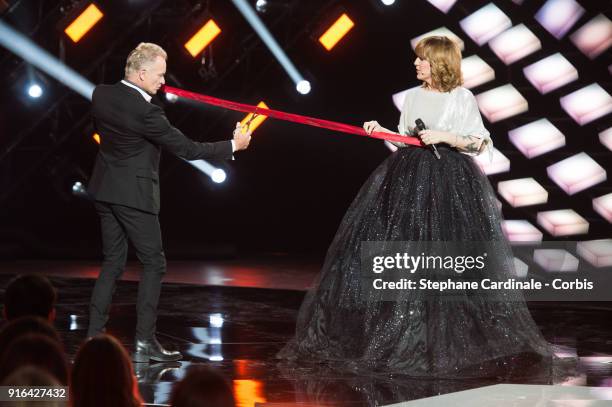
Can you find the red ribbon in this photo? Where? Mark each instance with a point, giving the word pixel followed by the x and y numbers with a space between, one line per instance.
pixel 296 118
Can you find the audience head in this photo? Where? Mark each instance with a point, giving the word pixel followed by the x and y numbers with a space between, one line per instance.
pixel 202 386
pixel 35 350
pixel 102 375
pixel 23 326
pixel 30 295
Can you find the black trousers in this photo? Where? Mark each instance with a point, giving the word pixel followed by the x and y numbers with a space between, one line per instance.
pixel 120 223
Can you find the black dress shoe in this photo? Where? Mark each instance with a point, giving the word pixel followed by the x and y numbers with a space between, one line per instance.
pixel 150 349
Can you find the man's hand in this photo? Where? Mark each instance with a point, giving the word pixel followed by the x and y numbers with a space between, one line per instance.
pixel 241 140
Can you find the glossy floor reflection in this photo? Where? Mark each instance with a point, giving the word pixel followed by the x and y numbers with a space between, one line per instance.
pixel 520 395
pixel 234 318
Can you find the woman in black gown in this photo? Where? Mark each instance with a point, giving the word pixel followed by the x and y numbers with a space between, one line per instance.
pixel 413 196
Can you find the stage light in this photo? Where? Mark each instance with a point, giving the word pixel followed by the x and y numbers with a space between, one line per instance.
pixel 391 146
pixel 35 91
pixel 249 393
pixel 443 5
pixel 439 31
pixel 594 37
pixel 78 189
pixel 253 19
pixel 550 73
pixel 388 2
pixel 303 87
pixel 216 320
pixel 256 122
pixel 501 102
pixel 555 260
pixel 399 97
pixel 605 138
pixel 520 268
pixel 603 206
pixel 218 176
pixel 587 104
pixel 522 192
pixel 202 38
pixel 336 32
pixel 476 71
pixel 261 6
pixel 499 163
pixel 521 231
pixel 171 97
pixel 597 252
pixel 485 23
pixel 563 222
pixel 96 138
pixel 558 16
pixel 83 23
pixel 515 43
pixel 576 173
pixel 73 322
pixel 209 348
pixel 536 138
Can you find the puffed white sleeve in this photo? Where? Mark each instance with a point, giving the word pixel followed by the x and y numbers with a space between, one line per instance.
pixel 470 124
pixel 402 126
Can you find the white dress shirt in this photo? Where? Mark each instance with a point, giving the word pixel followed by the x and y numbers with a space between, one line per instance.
pixel 142 92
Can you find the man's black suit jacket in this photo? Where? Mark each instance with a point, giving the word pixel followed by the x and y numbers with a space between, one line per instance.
pixel 132 133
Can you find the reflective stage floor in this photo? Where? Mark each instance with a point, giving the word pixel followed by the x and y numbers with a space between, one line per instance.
pixel 235 316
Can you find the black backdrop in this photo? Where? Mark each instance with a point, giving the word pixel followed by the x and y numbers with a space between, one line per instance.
pixel 288 192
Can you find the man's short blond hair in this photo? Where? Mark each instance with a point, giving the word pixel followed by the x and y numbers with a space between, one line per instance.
pixel 143 54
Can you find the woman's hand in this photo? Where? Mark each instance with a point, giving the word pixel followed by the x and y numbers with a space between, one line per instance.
pixel 371 126
pixel 434 137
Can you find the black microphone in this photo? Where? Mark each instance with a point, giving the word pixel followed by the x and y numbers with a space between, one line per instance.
pixel 421 126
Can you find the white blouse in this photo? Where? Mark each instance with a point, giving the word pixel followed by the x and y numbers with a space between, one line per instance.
pixel 455 112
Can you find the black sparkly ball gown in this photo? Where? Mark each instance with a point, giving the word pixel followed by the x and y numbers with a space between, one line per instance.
pixel 412 196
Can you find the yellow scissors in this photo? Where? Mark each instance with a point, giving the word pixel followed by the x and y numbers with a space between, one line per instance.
pixel 248 123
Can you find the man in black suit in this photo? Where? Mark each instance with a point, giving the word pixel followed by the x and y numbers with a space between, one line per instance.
pixel 125 186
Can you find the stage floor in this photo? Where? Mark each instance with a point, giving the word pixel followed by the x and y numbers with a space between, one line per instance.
pixel 234 317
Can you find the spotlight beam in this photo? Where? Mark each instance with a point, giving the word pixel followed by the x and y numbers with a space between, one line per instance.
pixel 23 47
pixel 216 174
pixel 253 19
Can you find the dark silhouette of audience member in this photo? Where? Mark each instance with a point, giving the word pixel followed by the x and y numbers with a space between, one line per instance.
pixel 32 376
pixel 30 294
pixel 22 326
pixel 102 375
pixel 202 386
pixel 36 350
